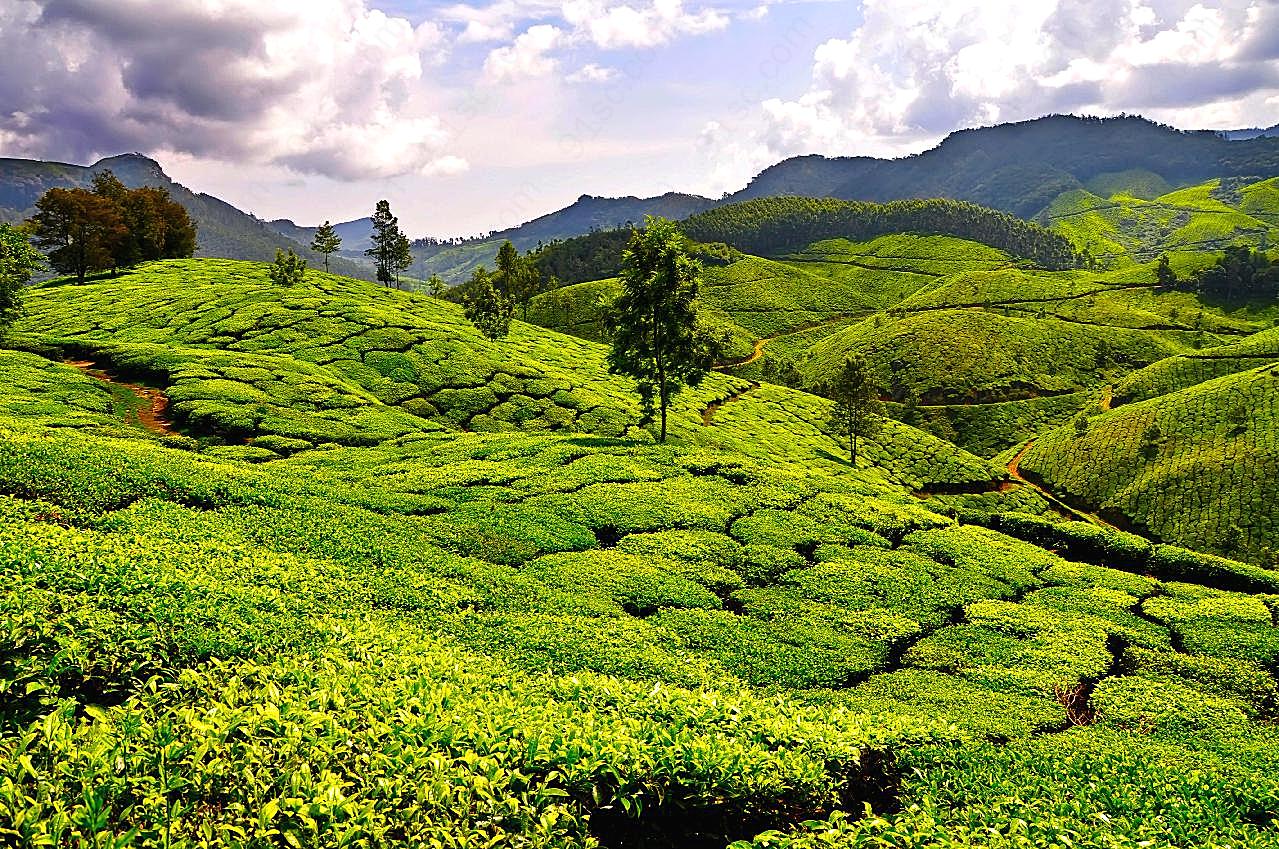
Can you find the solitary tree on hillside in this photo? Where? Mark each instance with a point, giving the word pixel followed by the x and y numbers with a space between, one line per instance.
pixel 516 276
pixel 326 241
pixel 390 252
pixel 288 269
pixel 436 286
pixel 486 307
pixel 1164 275
pixel 19 260
pixel 858 412
pixel 656 338
pixel 81 231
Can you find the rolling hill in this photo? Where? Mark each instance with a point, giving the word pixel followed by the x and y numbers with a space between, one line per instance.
pixel 365 576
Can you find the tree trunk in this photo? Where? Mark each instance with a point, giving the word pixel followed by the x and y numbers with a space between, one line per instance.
pixel 663 439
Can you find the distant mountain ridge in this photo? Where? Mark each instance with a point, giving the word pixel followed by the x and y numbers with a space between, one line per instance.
pixel 356 235
pixel 223 230
pixel 1021 167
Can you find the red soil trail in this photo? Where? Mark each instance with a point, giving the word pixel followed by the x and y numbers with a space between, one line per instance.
pixel 152 411
pixel 1014 472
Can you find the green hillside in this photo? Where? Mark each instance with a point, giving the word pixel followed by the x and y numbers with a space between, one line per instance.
pixel 372 579
pixel 1020 167
pixel 1204 476
pixel 1123 226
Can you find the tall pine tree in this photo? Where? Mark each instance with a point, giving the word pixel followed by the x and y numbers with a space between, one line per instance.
pixel 390 251
pixel 327 241
pixel 656 338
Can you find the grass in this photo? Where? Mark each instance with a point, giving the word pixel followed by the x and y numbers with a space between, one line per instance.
pixel 432 613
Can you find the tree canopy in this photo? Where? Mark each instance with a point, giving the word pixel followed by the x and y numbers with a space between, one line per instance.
pixel 858 412
pixel 391 251
pixel 655 334
pixel 19 260
pixel 326 241
pixel 486 306
pixel 111 227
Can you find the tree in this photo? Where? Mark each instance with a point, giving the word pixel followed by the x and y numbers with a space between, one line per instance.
pixel 81 231
pixel 326 241
pixel 656 337
pixel 288 269
pixel 391 251
pixel 19 260
pixel 436 286
pixel 486 307
pixel 1151 441
pixel 858 412
pixel 1164 275
pixel 517 276
pixel 111 227
pixel 156 226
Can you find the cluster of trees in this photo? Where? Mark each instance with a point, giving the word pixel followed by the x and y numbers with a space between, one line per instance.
pixel 1239 275
pixel 592 256
pixel 598 255
pixel 109 227
pixel 775 226
pixel 489 298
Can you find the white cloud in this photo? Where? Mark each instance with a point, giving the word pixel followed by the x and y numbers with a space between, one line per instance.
pixel 618 25
pixel 916 69
pixel 325 87
pixel 496 21
pixel 592 73
pixel 526 56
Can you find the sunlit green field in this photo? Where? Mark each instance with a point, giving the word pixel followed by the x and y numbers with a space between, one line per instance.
pixel 384 582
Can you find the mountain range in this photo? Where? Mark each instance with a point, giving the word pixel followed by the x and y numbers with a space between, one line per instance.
pixel 1019 168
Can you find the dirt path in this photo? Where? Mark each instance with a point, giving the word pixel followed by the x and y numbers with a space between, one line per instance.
pixel 1014 472
pixel 151 412
pixel 803 328
pixel 708 415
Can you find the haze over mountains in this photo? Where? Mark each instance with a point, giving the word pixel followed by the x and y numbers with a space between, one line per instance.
pixel 1018 168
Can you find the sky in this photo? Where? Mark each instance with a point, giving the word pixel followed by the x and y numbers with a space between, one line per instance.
pixel 473 116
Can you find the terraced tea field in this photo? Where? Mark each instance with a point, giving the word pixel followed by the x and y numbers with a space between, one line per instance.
pixel 391 583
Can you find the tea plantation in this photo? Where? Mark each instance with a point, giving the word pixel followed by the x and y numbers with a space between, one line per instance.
pixel 376 580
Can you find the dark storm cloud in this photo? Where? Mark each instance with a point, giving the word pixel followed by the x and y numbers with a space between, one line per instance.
pixel 247 81
pixel 1171 85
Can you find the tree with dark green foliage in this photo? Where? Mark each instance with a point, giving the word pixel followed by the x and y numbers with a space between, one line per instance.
pixel 156 226
pixel 1164 275
pixel 486 307
pixel 391 252
pixel 858 412
pixel 288 269
pixel 19 260
pixel 326 241
pixel 1240 274
pixel 516 276
pixel 655 334
pixel 1151 441
pixel 80 231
